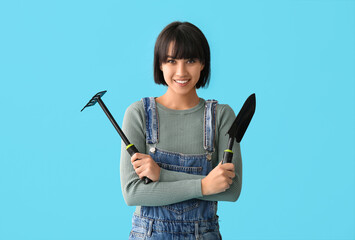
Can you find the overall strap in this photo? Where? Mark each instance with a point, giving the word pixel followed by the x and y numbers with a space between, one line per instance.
pixel 210 125
pixel 151 120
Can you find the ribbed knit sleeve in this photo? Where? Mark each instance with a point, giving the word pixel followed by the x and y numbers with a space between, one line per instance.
pixel 135 192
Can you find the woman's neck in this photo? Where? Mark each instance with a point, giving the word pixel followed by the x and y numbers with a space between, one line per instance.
pixel 177 101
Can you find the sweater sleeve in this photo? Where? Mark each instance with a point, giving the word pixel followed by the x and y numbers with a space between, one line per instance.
pixel 134 191
pixel 225 118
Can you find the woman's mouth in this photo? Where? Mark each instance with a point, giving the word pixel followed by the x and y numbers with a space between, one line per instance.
pixel 181 82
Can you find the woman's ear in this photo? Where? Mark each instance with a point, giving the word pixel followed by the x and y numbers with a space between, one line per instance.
pixel 202 67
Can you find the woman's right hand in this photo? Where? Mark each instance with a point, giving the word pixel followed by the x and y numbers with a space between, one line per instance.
pixel 145 166
pixel 219 179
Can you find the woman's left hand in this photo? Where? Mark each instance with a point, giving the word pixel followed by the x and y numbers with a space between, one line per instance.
pixel 145 166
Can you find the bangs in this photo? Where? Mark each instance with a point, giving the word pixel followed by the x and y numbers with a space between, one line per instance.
pixel 183 47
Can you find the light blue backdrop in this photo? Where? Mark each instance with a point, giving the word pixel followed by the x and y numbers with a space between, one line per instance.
pixel 59 168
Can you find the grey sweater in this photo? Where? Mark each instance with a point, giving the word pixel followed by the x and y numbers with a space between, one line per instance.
pixel 180 131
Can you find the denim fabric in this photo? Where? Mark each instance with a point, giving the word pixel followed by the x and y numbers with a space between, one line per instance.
pixel 151 120
pixel 148 228
pixel 209 125
pixel 191 219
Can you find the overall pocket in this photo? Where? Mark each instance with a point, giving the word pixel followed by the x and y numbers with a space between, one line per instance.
pixel 183 207
pixel 176 168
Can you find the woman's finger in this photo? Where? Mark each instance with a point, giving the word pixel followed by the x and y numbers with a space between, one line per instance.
pixel 230 181
pixel 136 164
pixel 231 174
pixel 228 166
pixel 138 156
pixel 141 173
pixel 134 158
pixel 139 170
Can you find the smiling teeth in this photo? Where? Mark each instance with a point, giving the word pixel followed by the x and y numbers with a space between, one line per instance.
pixel 181 81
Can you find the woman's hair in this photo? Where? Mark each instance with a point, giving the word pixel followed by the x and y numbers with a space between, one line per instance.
pixel 188 43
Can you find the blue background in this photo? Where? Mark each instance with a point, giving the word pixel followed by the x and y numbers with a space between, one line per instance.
pixel 59 167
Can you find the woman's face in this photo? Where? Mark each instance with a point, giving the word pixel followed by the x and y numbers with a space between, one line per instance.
pixel 181 75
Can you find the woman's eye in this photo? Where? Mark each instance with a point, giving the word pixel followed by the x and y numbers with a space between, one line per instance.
pixel 191 61
pixel 171 61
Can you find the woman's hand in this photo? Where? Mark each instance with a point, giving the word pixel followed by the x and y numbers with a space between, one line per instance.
pixel 145 166
pixel 219 179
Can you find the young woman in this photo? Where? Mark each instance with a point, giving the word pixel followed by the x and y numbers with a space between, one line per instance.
pixel 181 139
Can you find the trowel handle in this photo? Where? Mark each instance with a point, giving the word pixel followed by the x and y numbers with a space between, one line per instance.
pixel 227 156
pixel 131 149
pixel 228 153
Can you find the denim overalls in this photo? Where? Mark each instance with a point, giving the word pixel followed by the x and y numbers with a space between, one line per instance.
pixel 191 219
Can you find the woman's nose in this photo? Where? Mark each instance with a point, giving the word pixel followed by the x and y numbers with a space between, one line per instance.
pixel 181 69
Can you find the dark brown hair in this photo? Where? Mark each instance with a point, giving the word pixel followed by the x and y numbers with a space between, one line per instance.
pixel 189 43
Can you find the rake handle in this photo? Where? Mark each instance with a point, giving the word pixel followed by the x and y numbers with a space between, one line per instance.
pixel 113 121
pixel 131 149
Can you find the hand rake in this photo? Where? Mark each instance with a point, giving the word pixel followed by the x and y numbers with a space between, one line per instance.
pixel 131 149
